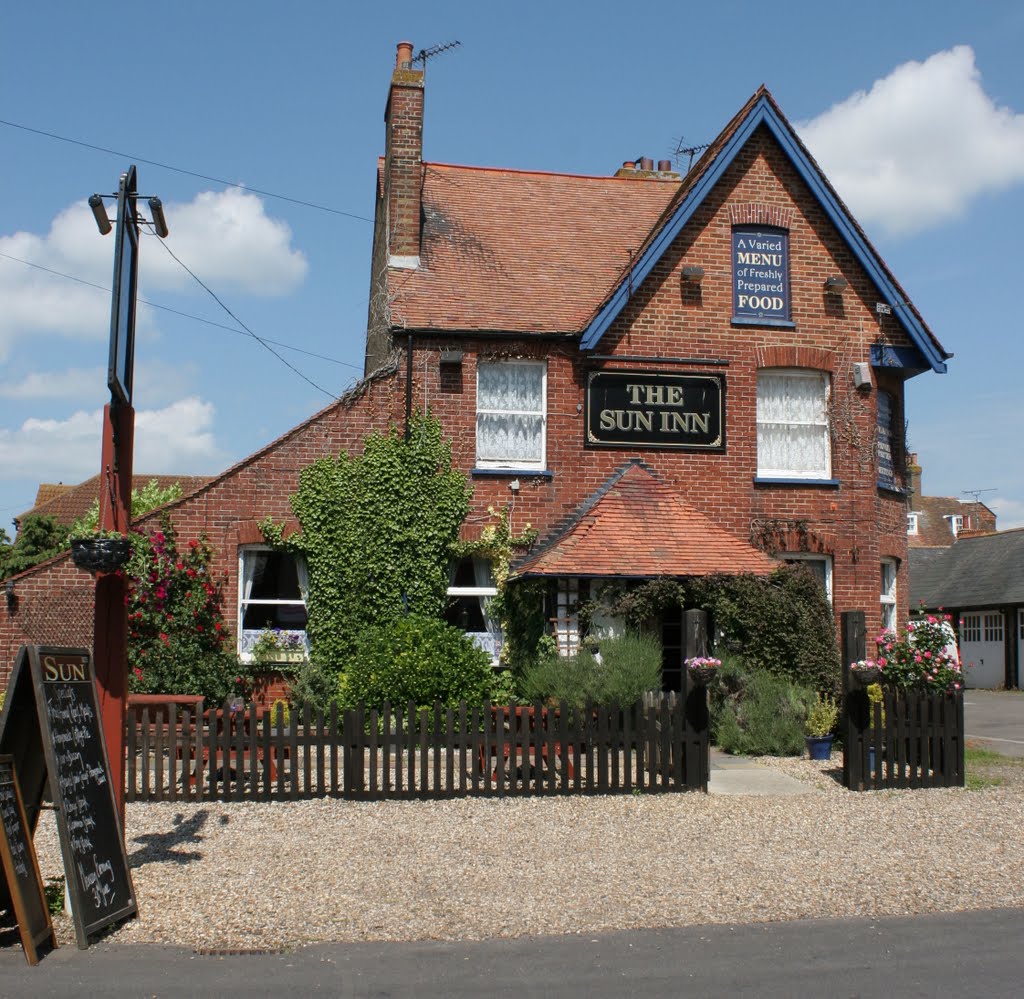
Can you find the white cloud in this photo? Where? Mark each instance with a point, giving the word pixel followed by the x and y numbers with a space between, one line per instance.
pixel 226 238
pixel 177 438
pixel 1009 512
pixel 72 383
pixel 913 151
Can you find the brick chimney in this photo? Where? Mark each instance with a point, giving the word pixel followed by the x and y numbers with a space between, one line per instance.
pixel 403 160
pixel 913 479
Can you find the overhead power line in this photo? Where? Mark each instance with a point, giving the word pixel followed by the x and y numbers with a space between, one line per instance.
pixel 184 315
pixel 188 173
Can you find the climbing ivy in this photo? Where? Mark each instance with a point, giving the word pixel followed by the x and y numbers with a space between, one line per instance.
pixel 377 534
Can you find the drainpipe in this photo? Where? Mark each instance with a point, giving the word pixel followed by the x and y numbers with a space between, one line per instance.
pixel 408 387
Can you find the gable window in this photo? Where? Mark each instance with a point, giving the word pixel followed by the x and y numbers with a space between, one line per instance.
pixel 760 273
pixel 820 565
pixel 272 591
pixel 510 414
pixel 888 594
pixel 912 523
pixel 887 440
pixel 956 523
pixel 792 424
pixel 471 591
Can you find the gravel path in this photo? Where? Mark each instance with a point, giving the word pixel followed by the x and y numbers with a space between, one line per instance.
pixel 265 876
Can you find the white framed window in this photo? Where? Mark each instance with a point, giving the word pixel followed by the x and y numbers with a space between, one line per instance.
pixel 912 523
pixel 567 618
pixel 792 424
pixel 887 599
pixel 272 589
pixel 471 590
pixel 820 565
pixel 511 414
pixel 956 523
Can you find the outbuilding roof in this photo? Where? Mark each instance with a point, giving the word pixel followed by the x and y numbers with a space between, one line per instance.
pixel 986 571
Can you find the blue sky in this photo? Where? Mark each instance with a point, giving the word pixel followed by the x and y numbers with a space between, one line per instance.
pixel 916 111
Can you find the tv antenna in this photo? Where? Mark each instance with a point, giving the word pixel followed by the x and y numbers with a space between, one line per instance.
pixel 690 151
pixel 976 493
pixel 424 54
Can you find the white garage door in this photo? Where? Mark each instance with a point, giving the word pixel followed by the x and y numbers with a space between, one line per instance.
pixel 981 643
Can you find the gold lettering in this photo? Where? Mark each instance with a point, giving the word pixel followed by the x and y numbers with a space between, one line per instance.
pixel 49 668
pixel 607 419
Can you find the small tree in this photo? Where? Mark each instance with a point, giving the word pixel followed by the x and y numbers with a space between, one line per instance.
pixel 39 538
pixel 177 641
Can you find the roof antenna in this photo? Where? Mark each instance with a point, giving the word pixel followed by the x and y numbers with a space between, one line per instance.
pixel 691 151
pixel 976 493
pixel 424 54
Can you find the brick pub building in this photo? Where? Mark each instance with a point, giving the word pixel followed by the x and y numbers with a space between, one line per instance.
pixel 663 375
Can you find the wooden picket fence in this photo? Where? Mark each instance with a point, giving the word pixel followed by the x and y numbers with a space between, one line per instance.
pixel 657 745
pixel 908 739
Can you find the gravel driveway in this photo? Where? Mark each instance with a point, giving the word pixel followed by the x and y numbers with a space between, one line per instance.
pixel 267 876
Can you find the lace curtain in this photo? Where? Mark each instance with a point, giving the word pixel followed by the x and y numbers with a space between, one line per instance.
pixel 792 425
pixel 510 412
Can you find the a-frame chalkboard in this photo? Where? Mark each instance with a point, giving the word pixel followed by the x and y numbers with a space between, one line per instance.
pixel 21 868
pixel 51 726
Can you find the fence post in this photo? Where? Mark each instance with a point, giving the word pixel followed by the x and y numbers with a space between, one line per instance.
pixel 695 639
pixel 853 640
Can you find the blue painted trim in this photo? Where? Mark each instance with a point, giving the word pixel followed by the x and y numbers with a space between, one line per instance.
pixel 827 483
pixel 744 321
pixel 895 490
pixel 512 473
pixel 763 113
pixel 909 358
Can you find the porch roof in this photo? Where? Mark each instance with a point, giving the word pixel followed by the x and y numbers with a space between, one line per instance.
pixel 637 526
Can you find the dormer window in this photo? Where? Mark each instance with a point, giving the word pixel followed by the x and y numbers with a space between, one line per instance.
pixel 912 524
pixel 956 523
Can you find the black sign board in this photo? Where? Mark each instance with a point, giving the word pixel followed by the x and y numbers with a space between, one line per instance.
pixel 63 728
pixel 122 311
pixel 656 409
pixel 21 868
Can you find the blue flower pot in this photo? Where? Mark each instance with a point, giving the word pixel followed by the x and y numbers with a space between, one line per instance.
pixel 819 747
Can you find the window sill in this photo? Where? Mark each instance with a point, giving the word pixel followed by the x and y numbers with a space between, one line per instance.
pixel 780 481
pixel 895 490
pixel 512 473
pixel 754 321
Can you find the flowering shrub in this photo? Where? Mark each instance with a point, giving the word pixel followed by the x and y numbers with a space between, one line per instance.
pixel 866 667
pixel 703 663
pixel 920 659
pixel 272 641
pixel 177 641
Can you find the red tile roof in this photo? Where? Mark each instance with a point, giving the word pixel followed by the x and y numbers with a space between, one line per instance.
pixel 68 503
pixel 529 252
pixel 636 526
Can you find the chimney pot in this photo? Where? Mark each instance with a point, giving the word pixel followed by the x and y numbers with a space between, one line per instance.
pixel 646 163
pixel 628 164
pixel 664 166
pixel 404 59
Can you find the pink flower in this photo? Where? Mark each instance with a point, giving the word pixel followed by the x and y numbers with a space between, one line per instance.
pixel 882 661
pixel 931 619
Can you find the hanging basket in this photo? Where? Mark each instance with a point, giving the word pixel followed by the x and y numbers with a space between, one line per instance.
pixel 866 677
pixel 702 675
pixel 100 554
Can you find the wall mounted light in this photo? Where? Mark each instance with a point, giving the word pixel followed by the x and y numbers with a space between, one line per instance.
pixel 9 591
pixel 451 356
pixel 693 274
pixel 99 212
pixel 835 285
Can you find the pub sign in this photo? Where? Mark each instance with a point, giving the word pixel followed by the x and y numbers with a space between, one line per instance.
pixel 656 409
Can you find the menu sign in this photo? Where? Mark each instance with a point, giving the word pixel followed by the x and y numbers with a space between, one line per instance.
pixel 21 868
pixel 68 724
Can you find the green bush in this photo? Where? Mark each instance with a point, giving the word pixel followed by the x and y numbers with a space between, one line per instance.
pixel 314 683
pixel 418 659
pixel 628 666
pixel 755 712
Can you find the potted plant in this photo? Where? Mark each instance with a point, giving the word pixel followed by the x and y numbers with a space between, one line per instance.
pixel 100 551
pixel 821 720
pixel 275 647
pixel 866 671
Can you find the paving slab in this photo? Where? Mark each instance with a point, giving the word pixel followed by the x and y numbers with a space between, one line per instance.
pixel 741 775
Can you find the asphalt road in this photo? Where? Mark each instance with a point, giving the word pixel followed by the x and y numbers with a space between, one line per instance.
pixel 956 954
pixel 996 719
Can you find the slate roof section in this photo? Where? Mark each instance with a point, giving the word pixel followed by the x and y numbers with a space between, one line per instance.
pixel 523 252
pixel 636 526
pixel 69 503
pixel 977 572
